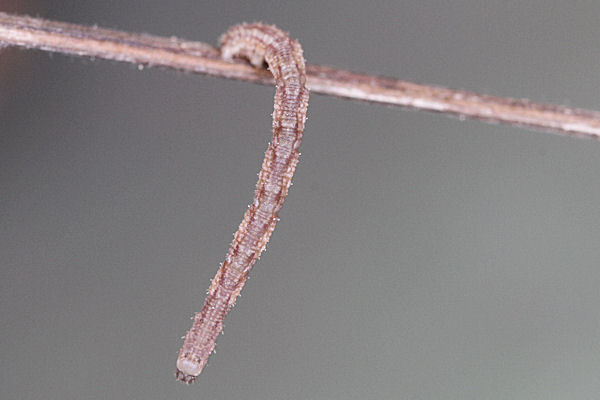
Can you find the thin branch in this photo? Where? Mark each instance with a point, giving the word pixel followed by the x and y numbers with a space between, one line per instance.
pixel 204 59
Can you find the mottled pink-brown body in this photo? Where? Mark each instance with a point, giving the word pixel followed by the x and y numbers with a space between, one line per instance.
pixel 258 43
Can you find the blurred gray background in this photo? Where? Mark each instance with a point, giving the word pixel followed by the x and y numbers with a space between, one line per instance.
pixel 417 257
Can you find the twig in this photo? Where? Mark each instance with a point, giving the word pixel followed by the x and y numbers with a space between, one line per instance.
pixel 204 59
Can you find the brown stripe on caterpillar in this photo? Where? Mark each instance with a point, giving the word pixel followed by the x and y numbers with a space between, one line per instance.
pixel 258 43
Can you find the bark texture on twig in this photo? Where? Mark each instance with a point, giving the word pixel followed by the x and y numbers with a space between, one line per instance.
pixel 204 59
